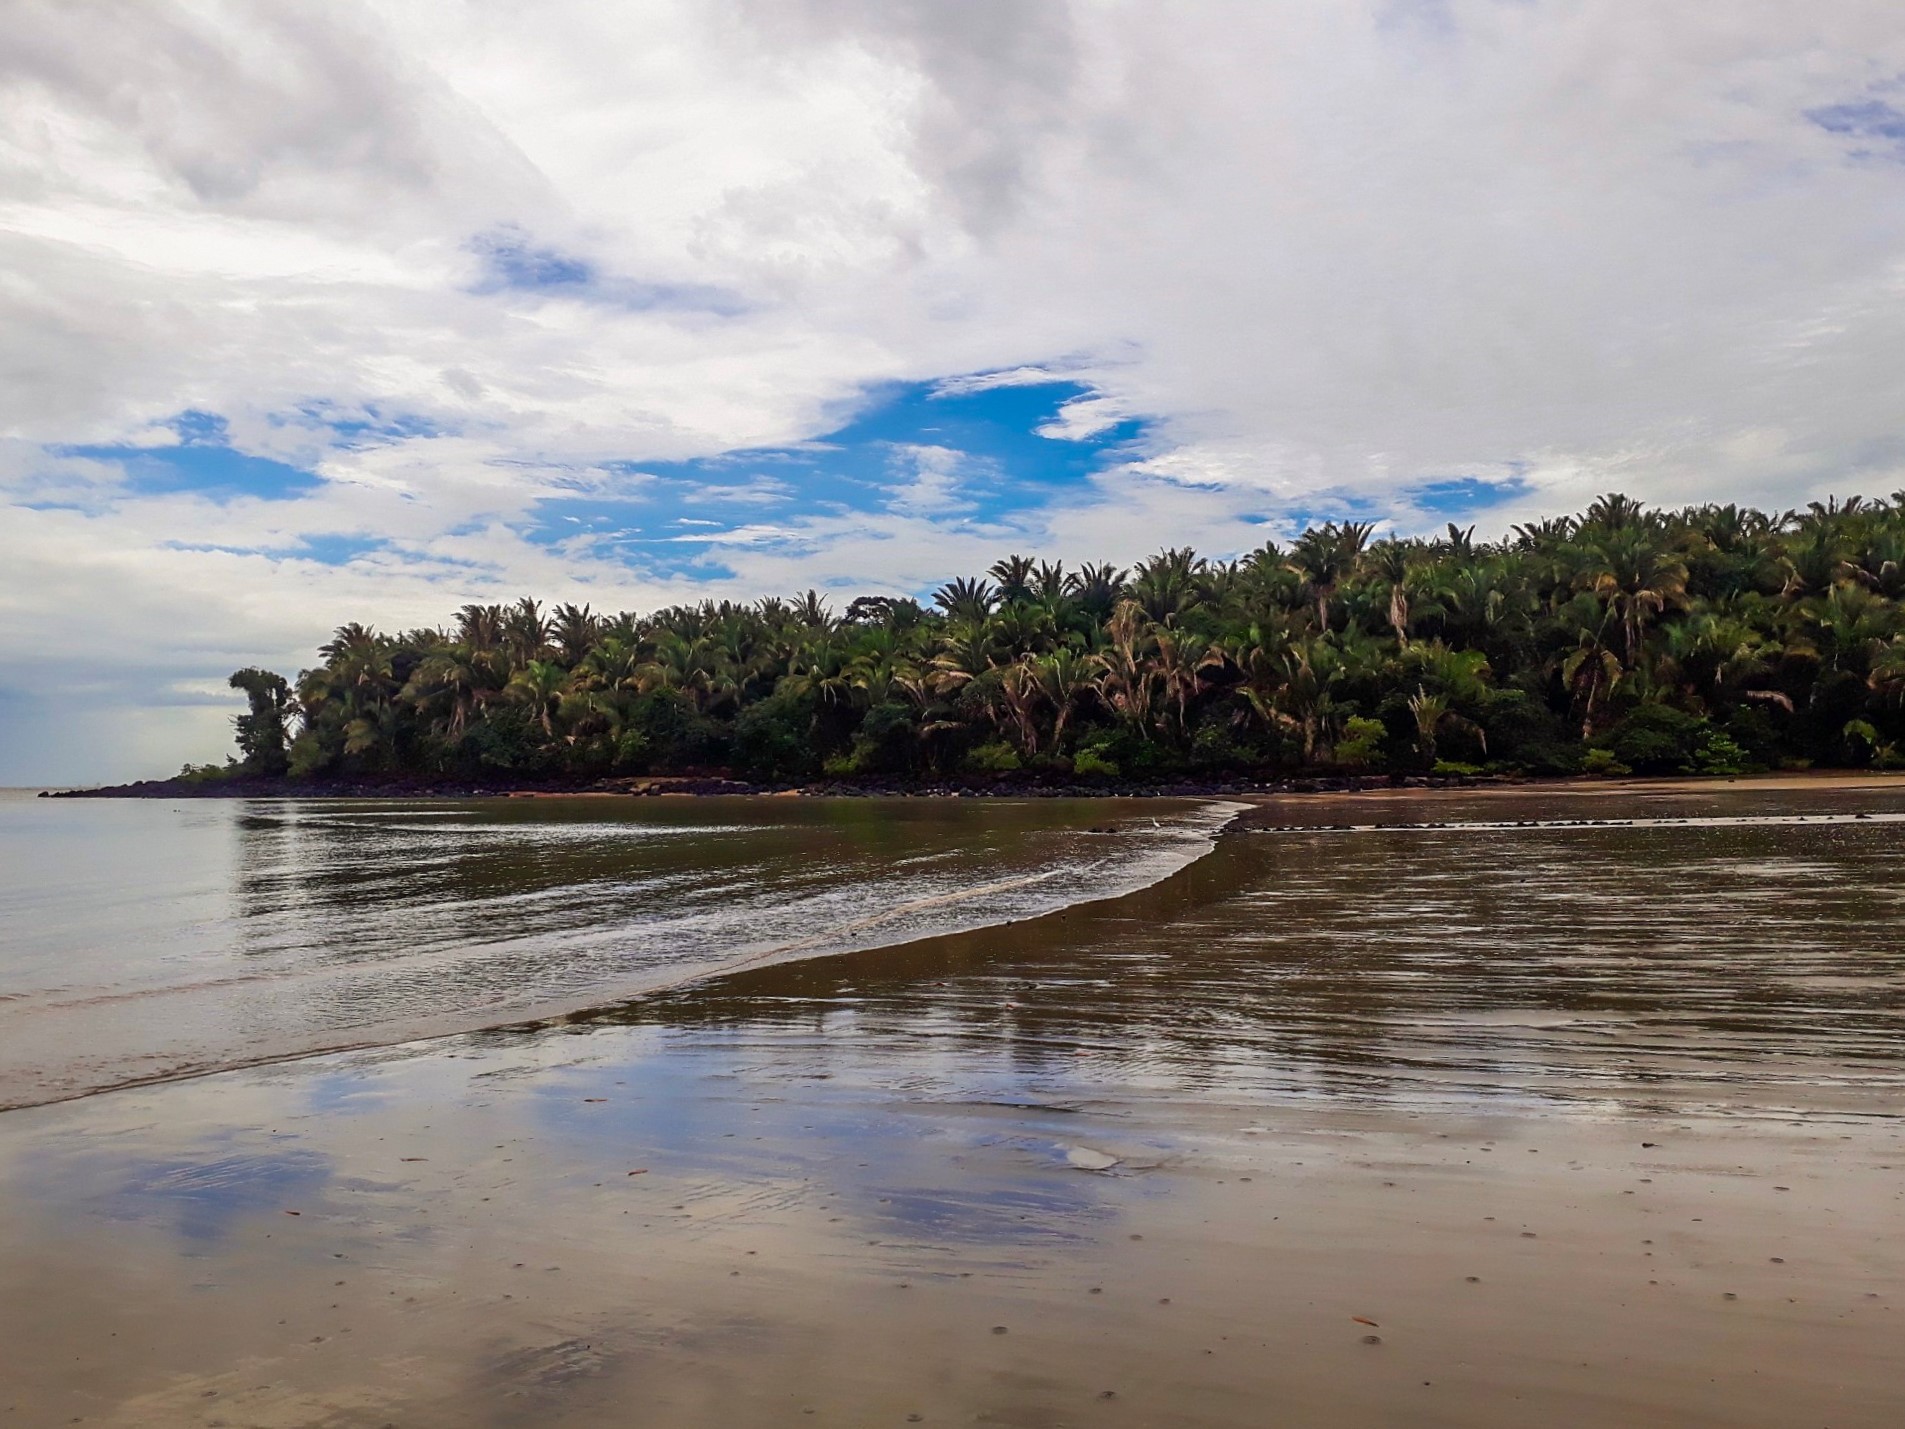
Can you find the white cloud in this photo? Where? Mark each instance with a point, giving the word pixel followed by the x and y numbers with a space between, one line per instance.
pixel 1336 249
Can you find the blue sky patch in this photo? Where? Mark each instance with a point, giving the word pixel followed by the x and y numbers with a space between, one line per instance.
pixel 1464 495
pixel 1862 119
pixel 203 463
pixel 974 451
pixel 515 263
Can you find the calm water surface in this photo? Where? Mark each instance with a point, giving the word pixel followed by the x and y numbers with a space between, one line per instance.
pixel 1731 948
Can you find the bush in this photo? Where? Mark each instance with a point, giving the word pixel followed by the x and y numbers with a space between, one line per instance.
pixel 1659 739
pixel 676 734
pixel 1455 769
pixel 885 743
pixel 1092 764
pixel 1523 732
pixel 997 757
pixel 1753 730
pixel 631 752
pixel 774 739
pixel 1362 741
pixel 1718 754
pixel 308 756
pixel 508 739
pixel 1602 761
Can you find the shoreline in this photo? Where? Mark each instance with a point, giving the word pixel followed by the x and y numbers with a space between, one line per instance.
pixel 1386 786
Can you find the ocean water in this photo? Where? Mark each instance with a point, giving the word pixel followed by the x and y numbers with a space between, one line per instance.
pixel 145 939
pixel 1728 950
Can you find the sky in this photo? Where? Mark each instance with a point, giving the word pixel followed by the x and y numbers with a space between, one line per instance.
pixel 358 312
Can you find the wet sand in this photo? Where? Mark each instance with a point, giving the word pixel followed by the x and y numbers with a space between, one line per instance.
pixel 1598 1125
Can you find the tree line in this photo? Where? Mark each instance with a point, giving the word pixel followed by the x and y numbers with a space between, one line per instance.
pixel 1713 639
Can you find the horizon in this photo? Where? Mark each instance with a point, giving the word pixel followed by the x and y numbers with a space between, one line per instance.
pixel 367 315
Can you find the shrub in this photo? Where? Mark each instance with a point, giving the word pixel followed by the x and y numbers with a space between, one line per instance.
pixel 1092 764
pixel 996 757
pixel 1659 739
pixel 308 756
pixel 631 752
pixel 885 743
pixel 1718 754
pixel 1602 761
pixel 677 734
pixel 773 739
pixel 1362 741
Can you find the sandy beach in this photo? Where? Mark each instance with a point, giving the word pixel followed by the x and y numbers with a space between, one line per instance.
pixel 530 1235
pixel 1351 1127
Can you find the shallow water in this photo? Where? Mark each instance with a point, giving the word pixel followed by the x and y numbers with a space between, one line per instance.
pixel 1571 1114
pixel 148 938
pixel 1713 950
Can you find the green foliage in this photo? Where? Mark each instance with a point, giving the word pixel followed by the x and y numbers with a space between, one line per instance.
pixel 996 757
pixel 1716 753
pixel 1602 762
pixel 262 741
pixel 1711 639
pixel 774 739
pixel 1658 739
pixel 1454 768
pixel 1362 742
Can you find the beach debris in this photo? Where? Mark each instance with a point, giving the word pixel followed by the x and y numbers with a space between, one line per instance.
pixel 640 1171
pixel 595 1099
pixel 1363 1320
pixel 413 1158
pixel 294 1213
pixel 1372 1339
pixel 998 1329
pixel 1089 1158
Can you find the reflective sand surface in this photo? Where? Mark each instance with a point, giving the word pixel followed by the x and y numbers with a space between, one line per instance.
pixel 1598 1125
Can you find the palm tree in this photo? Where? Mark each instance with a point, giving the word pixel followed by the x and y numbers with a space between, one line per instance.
pixel 1431 713
pixel 1014 575
pixel 1064 679
pixel 965 599
pixel 1393 564
pixel 1169 584
pixel 1323 556
pixel 1638 578
pixel 1097 588
pixel 540 684
pixel 574 629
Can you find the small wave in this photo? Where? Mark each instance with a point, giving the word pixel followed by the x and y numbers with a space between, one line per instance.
pixel 1141 858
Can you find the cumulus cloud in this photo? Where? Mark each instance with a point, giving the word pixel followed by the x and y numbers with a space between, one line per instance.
pixel 458 260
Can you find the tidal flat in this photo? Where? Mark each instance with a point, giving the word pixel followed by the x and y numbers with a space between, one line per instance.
pixel 1554 1107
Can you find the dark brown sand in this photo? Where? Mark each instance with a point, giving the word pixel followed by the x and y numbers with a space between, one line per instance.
pixel 1594 1126
pixel 1224 1272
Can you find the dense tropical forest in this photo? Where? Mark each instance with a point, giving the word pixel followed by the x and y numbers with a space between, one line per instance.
pixel 1714 639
